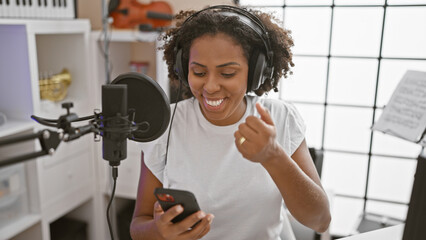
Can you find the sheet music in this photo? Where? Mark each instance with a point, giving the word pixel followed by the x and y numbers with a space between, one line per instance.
pixel 405 114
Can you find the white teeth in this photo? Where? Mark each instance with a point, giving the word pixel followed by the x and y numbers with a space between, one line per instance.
pixel 214 103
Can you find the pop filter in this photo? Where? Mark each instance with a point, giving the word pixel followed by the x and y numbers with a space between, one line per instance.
pixel 150 104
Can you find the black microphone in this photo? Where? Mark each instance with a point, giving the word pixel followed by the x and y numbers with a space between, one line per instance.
pixel 150 114
pixel 114 123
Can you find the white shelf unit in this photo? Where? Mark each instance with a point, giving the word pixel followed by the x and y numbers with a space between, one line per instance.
pixel 62 184
pixel 15 126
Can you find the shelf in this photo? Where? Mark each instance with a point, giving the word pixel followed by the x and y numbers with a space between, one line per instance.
pixel 128 36
pixel 128 45
pixel 15 126
pixel 21 224
pixel 57 184
pixel 39 26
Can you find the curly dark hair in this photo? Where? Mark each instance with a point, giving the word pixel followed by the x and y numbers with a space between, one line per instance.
pixel 209 22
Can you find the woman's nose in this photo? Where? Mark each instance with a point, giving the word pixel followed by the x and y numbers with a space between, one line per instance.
pixel 211 84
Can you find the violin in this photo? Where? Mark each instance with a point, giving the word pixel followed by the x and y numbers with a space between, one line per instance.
pixel 130 13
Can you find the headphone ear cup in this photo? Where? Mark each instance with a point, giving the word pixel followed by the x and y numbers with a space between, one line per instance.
pixel 181 68
pixel 257 65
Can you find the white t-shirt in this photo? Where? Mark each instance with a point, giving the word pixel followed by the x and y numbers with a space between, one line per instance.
pixel 203 159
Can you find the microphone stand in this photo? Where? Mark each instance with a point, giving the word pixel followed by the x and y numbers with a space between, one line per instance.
pixel 49 139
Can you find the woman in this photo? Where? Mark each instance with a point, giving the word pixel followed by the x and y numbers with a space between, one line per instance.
pixel 240 155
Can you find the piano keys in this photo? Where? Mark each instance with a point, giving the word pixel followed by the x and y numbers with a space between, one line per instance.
pixel 38 9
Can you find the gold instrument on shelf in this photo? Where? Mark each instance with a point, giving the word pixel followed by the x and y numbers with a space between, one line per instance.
pixel 55 88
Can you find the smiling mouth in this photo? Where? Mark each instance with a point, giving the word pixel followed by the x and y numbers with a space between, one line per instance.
pixel 214 103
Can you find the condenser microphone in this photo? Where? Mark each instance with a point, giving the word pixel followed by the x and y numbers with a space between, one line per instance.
pixel 134 107
pixel 114 122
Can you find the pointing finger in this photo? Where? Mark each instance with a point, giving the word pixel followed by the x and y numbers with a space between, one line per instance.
pixel 264 114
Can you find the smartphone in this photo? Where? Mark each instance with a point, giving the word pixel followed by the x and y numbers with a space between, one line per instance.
pixel 168 198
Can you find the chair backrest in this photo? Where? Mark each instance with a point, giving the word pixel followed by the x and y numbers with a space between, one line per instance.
pixel 318 157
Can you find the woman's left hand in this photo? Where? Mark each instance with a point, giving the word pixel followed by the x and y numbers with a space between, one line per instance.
pixel 255 138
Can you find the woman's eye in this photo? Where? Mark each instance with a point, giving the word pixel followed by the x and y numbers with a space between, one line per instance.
pixel 199 74
pixel 228 75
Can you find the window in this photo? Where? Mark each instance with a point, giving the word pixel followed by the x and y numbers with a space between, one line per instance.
pixel 349 56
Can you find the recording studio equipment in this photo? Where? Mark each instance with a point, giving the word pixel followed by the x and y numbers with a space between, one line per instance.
pixel 149 17
pixel 134 107
pixel 152 107
pixel 114 119
pixel 124 97
pixel 55 87
pixel 261 60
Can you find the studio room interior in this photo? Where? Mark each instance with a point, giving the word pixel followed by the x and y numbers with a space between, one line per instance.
pixel 103 101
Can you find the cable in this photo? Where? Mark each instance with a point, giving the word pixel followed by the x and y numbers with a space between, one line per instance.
pixel 56 120
pixel 104 49
pixel 43 122
pixel 106 37
pixel 171 121
pixel 114 177
pixel 84 118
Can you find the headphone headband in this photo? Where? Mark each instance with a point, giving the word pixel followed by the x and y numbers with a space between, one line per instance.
pixel 245 17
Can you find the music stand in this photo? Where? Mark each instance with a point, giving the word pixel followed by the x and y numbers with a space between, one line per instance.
pixel 405 118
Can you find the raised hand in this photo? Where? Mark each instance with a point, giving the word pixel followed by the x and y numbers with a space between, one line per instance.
pixel 255 138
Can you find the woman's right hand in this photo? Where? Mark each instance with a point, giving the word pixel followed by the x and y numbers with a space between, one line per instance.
pixel 181 230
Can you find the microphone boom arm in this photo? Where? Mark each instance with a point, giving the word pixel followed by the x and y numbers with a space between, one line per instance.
pixel 49 140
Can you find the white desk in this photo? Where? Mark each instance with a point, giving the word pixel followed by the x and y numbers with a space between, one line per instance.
pixel 389 233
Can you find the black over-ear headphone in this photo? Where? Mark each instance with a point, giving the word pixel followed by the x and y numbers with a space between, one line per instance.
pixel 261 60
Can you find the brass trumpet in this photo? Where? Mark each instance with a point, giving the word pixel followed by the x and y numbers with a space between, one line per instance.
pixel 55 87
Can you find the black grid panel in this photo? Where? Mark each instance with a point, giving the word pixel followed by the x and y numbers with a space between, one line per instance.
pixel 374 160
